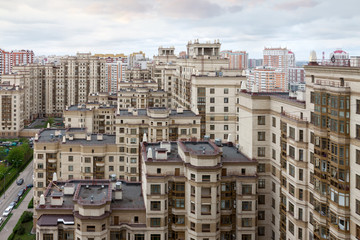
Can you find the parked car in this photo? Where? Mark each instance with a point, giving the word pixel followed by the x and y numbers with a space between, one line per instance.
pixel 20 181
pixel 1 220
pixel 7 212
pixel 17 198
pixel 21 192
pixel 12 205
pixel 29 186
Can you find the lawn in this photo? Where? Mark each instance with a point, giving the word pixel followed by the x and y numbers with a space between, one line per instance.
pixel 27 235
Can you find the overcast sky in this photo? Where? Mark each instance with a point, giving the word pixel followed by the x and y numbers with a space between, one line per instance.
pixel 124 26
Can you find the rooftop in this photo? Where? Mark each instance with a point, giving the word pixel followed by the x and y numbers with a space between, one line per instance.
pixel 160 110
pixel 229 152
pixel 95 192
pixel 56 135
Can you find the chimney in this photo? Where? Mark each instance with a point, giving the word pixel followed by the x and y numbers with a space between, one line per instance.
pixel 135 112
pixel 118 191
pixel 42 200
pixel 179 110
pixel 160 154
pixel 54 177
pixel 64 139
pixel 99 137
pixel 149 154
pixel 36 137
pixel 144 138
pixel 71 137
pixel 88 137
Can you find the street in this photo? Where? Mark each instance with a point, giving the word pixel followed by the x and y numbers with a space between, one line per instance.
pixel 10 195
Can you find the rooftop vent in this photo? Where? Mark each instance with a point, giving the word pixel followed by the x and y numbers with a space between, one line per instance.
pixel 42 200
pixel 88 137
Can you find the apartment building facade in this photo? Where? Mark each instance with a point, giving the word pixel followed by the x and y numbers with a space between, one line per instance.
pixel 267 79
pixel 237 59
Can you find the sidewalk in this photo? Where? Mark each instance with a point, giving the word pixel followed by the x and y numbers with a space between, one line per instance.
pixel 7 230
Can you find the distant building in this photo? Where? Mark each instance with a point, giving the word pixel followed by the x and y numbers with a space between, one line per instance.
pixel 253 63
pixel 355 61
pixel 237 60
pixel 296 75
pixel 280 58
pixel 14 58
pixel 115 73
pixel 266 79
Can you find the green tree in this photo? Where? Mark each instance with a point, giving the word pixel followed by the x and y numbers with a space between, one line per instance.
pixel 16 156
pixel 51 121
pixel 3 152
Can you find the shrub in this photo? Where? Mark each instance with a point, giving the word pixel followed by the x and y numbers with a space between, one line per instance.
pixel 27 217
pixel 21 230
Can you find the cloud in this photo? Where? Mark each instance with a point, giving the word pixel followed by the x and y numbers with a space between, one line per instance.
pixel 67 26
pixel 294 5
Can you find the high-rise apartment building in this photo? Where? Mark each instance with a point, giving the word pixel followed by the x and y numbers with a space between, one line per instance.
pixel 280 58
pixel 237 59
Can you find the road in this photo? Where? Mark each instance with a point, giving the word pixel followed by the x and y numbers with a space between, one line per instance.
pixel 10 195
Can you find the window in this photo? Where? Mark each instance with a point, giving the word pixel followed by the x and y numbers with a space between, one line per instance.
pixel 87 160
pixel 300 217
pixel 246 237
pixel 194 130
pixel 291 170
pixel 90 228
pixel 301 174
pixel 291 208
pixel 155 237
pixel 226 91
pixel 155 189
pixel 155 222
pixel 205 209
pixel 301 135
pixel 226 100
pixel 292 132
pixel 133 170
pixel 261 183
pixel 133 150
pixel 246 205
pixel 226 109
pixel 291 189
pixel 206 192
pixel 48 236
pixel 246 222
pixel 206 178
pixel 103 227
pixel 212 109
pixel 133 160
pixel 155 205
pixel 357 131
pixel 291 151
pixel 111 168
pixel 261 136
pixel 192 207
pixel 273 154
pixel 212 127
pixel 261 120
pixel 357 181
pixel 136 219
pixel 261 199
pixel 291 227
pixel 261 215
pixel 261 167
pixel 179 203
pixel 273 187
pixel 40 175
pixel 212 90
pixel 301 155
pixel 273 121
pixel 246 189
pixel 261 231
pixel 261 151
pixel 192 226
pixel 70 168
pixel 70 158
pixel 87 169
pixel 274 138
pixel 121 159
pixel 192 177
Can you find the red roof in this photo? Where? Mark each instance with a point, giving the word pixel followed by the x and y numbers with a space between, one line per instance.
pixel 339 51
